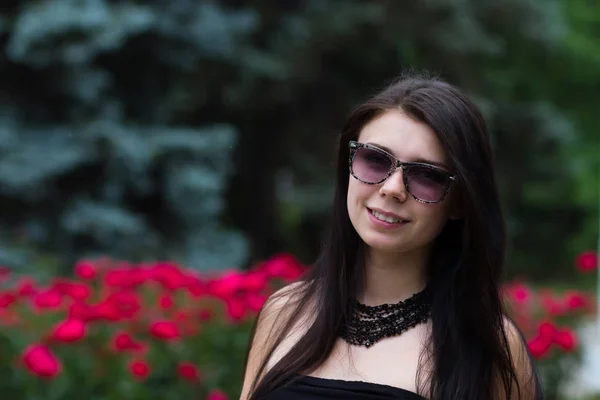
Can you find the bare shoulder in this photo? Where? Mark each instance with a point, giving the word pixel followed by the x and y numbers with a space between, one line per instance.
pixel 517 346
pixel 277 302
pixel 522 362
pixel 273 315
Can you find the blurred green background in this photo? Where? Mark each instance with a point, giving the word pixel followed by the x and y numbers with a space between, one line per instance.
pixel 203 131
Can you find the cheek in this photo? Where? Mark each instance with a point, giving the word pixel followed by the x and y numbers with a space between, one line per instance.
pixel 356 198
pixel 357 193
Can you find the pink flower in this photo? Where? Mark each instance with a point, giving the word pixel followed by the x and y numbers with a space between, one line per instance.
pixel 256 301
pixel 566 339
pixel 236 310
pixel 169 275
pixel 521 293
pixel 6 299
pixel 587 261
pixel 78 291
pixel 86 270
pixel 123 341
pixel 71 330
pixel 217 394
pixel 576 301
pixel 206 314
pixel 140 369
pixel 48 299
pixel 26 286
pixel 39 360
pixel 188 371
pixel 165 302
pixel 552 305
pixel 82 312
pixel 165 330
pixel 547 329
pixel 227 285
pixel 255 281
pixel 539 346
pixel 284 266
pixel 120 306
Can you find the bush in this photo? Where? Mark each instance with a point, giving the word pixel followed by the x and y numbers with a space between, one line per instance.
pixel 548 319
pixel 160 331
pixel 123 331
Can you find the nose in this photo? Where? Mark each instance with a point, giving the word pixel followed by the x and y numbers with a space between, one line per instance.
pixel 394 186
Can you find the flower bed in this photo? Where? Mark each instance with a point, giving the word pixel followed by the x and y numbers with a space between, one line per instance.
pixel 159 331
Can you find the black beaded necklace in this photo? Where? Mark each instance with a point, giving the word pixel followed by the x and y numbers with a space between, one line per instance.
pixel 370 324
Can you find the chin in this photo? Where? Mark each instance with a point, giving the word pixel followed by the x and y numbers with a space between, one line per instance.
pixel 388 245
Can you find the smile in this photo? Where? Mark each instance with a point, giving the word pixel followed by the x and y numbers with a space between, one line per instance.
pixel 385 218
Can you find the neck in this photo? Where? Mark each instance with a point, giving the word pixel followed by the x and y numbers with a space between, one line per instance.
pixel 393 277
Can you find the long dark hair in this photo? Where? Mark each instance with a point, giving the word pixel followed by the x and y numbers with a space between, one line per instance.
pixel 468 345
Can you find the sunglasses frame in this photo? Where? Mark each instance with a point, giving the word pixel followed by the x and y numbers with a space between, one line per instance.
pixel 354 146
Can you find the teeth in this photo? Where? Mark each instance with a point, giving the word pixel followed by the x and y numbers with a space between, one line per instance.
pixel 385 218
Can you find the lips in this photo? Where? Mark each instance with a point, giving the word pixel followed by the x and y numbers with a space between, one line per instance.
pixel 389 214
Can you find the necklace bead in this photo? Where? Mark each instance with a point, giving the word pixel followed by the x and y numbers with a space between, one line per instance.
pixel 370 324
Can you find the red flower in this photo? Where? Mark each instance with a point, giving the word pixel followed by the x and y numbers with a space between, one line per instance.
pixel 48 299
pixel 169 275
pixel 71 330
pixel 227 285
pixel 587 261
pixel 547 329
pixel 165 302
pixel 576 301
pixel 86 270
pixel 519 293
pixel 123 341
pixel 40 361
pixel 284 266
pixel 206 314
pixel 78 291
pixel 256 301
pixel 552 305
pixel 26 286
pixel 82 312
pixel 140 369
pixel 195 286
pixel 217 394
pixel 236 310
pixel 106 310
pixel 539 346
pixel 255 281
pixel 120 306
pixel 566 339
pixel 188 371
pixel 6 299
pixel 165 330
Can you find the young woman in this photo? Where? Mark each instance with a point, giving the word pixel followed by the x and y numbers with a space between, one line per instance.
pixel 403 301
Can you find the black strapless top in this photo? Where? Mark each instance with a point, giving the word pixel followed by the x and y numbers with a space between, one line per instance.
pixel 312 388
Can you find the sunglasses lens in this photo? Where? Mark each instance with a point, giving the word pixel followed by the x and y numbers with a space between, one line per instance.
pixel 426 183
pixel 370 165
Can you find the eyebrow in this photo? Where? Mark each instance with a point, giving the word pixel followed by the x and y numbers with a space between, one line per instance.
pixel 418 159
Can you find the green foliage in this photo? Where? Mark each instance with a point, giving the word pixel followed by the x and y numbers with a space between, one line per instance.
pixel 191 130
pixel 101 149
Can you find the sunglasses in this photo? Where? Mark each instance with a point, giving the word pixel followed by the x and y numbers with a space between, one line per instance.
pixel 425 183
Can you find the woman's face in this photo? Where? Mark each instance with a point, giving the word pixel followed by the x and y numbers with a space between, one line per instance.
pixel 408 140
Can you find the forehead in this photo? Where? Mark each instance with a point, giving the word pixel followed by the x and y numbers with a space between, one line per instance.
pixel 406 138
